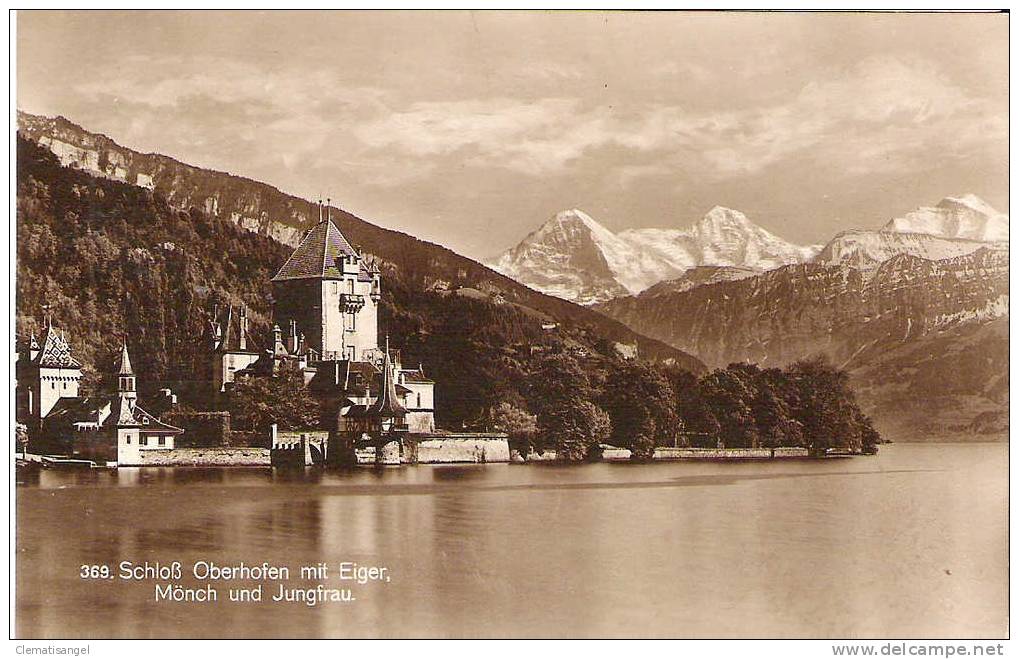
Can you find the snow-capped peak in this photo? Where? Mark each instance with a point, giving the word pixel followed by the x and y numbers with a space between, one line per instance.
pixel 570 220
pixel 970 201
pixel 968 217
pixel 723 215
pixel 575 257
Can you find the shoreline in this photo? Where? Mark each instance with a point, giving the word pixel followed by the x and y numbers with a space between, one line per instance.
pixel 612 455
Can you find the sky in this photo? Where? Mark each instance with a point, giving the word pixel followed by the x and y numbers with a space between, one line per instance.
pixel 470 129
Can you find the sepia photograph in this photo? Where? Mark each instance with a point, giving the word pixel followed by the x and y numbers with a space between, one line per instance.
pixel 510 324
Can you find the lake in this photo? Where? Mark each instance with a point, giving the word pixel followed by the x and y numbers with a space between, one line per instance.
pixel 910 543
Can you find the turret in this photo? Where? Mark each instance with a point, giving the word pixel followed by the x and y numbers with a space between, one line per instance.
pixel 243 338
pixel 387 405
pixel 277 340
pixel 295 342
pixel 33 348
pixel 376 290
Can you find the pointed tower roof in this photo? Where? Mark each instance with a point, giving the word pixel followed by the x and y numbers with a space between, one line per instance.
pixel 125 361
pixel 225 343
pixel 387 404
pixel 316 257
pixel 55 351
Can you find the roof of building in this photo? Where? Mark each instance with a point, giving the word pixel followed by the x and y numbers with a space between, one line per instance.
pixel 388 402
pixel 416 376
pixel 231 334
pixel 125 361
pixel 318 254
pixel 107 413
pixel 55 351
pixel 355 410
pixel 149 423
pixel 72 410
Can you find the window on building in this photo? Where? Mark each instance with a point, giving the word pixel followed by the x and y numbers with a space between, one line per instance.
pixel 162 441
pixel 350 286
pixel 64 385
pixel 128 440
pixel 143 440
pixel 419 399
pixel 53 385
pixel 334 287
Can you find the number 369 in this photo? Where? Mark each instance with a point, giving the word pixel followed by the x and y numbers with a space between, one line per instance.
pixel 94 572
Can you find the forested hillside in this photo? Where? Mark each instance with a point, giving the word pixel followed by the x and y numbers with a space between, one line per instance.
pixel 112 259
pixel 262 208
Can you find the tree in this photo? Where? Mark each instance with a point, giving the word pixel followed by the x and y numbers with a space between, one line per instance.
pixel 729 393
pixel 258 402
pixel 641 403
pixel 773 414
pixel 869 436
pixel 827 410
pixel 557 379
pixel 576 427
pixel 519 424
pixel 700 426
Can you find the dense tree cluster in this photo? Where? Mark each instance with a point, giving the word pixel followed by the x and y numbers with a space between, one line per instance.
pixel 257 403
pixel 641 406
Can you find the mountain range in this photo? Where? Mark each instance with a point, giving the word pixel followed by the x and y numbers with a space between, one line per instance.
pixel 920 320
pixel 916 310
pixel 574 257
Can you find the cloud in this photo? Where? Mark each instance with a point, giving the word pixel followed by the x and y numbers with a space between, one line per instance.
pixel 879 113
pixel 883 113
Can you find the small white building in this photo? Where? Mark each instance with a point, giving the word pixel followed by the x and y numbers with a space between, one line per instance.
pixel 115 429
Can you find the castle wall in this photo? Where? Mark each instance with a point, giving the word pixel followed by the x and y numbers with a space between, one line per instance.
pixel 421 422
pixel 447 448
pixel 201 429
pixel 95 445
pixel 240 456
pixel 298 447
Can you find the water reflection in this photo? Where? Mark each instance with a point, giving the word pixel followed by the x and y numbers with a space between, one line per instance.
pixel 846 548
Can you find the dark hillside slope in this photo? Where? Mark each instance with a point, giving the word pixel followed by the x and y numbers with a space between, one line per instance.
pixel 266 210
pixel 111 258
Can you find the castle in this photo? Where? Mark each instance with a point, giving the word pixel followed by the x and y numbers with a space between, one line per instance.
pixel 327 296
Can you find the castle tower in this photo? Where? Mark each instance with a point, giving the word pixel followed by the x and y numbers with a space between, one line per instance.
pixel 125 377
pixel 327 292
pixel 46 372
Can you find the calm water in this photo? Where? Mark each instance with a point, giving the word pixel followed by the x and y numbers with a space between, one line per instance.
pixel 911 543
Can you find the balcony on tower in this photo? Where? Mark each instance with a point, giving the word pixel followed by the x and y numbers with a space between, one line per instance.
pixel 351 302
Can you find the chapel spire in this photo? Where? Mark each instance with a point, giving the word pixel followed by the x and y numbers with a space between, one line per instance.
pixel 388 403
